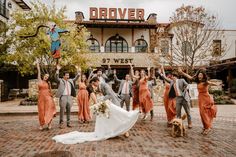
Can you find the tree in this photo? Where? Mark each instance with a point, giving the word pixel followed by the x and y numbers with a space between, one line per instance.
pixel 194 30
pixel 24 51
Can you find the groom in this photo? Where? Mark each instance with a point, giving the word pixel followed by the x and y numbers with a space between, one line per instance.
pixel 65 93
pixel 106 90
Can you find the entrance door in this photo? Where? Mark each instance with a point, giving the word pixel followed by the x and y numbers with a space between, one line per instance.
pixel 120 72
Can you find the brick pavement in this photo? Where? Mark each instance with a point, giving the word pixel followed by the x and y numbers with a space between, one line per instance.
pixel 20 138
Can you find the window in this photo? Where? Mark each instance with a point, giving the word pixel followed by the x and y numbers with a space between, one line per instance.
pixel 164 47
pixel 186 48
pixel 93 45
pixel 116 44
pixel 141 45
pixel 216 48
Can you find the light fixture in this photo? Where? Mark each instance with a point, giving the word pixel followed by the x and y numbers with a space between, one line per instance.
pixel 9 5
pixel 117 37
pixel 142 37
pixel 92 39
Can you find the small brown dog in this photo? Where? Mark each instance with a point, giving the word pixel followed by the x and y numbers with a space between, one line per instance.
pixel 178 129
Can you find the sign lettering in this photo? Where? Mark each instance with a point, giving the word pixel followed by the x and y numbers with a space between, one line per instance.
pixel 116 13
pixel 117 60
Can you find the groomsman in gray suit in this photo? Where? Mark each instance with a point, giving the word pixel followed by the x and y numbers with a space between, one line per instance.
pixel 103 77
pixel 125 90
pixel 178 90
pixel 65 93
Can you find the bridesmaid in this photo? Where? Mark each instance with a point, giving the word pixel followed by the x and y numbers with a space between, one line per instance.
pixel 135 90
pixel 145 100
pixel 169 103
pixel 83 101
pixel 46 105
pixel 206 104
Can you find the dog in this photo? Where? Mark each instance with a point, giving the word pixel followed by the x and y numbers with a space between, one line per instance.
pixel 178 129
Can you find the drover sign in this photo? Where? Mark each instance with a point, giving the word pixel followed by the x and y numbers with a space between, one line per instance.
pixel 116 13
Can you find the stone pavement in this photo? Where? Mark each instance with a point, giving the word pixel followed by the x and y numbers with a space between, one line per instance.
pixel 19 137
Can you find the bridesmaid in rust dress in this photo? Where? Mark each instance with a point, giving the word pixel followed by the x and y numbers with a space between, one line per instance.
pixel 207 108
pixel 135 90
pixel 46 105
pixel 145 100
pixel 169 103
pixel 83 101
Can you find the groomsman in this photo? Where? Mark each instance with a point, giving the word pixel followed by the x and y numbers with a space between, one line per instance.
pixel 178 90
pixel 65 93
pixel 125 90
pixel 103 77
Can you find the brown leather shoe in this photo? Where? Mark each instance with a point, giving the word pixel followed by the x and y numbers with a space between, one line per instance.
pixel 62 126
pixel 190 125
pixel 69 125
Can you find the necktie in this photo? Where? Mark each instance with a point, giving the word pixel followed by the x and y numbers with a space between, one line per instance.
pixel 67 88
pixel 126 87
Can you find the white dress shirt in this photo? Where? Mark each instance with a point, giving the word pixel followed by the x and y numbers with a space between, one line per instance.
pixel 67 90
pixel 125 88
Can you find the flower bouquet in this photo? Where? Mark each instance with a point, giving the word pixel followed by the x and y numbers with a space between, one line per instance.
pixel 101 109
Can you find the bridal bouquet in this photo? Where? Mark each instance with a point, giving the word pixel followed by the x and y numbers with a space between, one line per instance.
pixel 101 108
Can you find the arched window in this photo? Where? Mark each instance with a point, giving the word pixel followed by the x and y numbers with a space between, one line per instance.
pixel 141 45
pixel 93 44
pixel 164 47
pixel 116 44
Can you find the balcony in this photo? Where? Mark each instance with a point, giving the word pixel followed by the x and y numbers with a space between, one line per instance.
pixel 4 11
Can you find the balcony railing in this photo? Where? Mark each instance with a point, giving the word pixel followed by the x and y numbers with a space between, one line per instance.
pixel 4 11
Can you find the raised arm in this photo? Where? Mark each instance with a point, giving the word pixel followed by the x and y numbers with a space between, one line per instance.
pixel 184 74
pixel 115 77
pixel 163 74
pixel 91 74
pixel 212 83
pixel 59 30
pixel 39 72
pixel 149 73
pixel 57 73
pixel 132 71
pixel 78 74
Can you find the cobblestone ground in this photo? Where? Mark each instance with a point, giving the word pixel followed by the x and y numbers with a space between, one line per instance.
pixel 19 137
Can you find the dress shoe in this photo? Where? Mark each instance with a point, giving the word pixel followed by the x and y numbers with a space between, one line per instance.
pixel 62 126
pixel 41 128
pixel 69 125
pixel 190 125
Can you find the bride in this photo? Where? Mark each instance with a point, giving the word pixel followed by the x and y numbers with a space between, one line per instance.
pixel 111 120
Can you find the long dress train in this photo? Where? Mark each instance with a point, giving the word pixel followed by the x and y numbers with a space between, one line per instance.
pixel 118 123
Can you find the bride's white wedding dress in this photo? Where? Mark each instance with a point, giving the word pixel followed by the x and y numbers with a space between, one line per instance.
pixel 118 123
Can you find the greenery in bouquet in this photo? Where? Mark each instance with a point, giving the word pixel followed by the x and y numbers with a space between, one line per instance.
pixel 101 109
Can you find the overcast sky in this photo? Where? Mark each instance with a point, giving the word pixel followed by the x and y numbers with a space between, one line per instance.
pixel 224 9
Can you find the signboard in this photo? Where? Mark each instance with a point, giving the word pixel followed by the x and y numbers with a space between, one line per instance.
pixel 117 60
pixel 116 14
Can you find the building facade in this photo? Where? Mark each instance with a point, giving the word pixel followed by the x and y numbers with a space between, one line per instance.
pixel 122 36
pixel 9 76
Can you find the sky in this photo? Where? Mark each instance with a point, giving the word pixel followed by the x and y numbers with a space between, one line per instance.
pixel 224 9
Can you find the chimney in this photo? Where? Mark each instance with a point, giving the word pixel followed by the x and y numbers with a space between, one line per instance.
pixel 79 16
pixel 152 18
